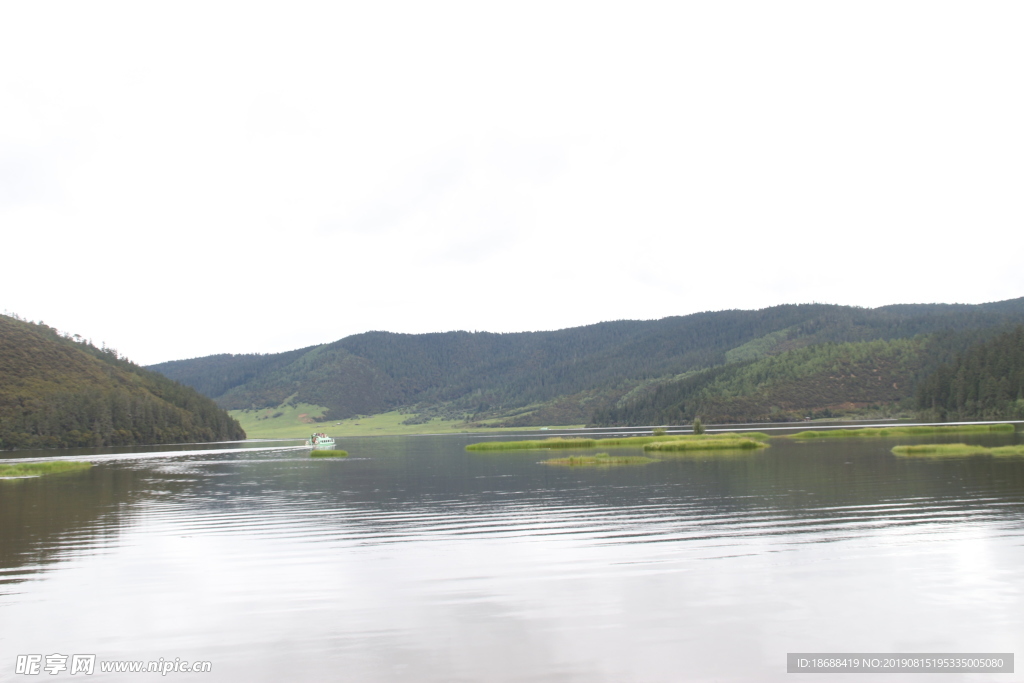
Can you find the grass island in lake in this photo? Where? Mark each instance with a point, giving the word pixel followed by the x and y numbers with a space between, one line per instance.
pixel 23 470
pixel 732 442
pixel 936 450
pixel 599 460
pixel 328 453
pixel 620 442
pixel 904 431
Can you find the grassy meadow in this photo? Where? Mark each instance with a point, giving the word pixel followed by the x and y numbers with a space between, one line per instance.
pixel 297 422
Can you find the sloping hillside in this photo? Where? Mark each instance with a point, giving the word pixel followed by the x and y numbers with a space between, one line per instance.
pixel 819 381
pixel 565 376
pixel 55 392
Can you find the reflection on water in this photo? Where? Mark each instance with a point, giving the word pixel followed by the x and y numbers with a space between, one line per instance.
pixel 415 560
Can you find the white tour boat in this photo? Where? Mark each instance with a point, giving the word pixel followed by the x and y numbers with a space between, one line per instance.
pixel 320 440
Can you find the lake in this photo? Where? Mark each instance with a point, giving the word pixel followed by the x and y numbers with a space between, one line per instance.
pixel 414 560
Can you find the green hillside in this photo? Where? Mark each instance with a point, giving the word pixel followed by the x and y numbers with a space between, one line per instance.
pixel 824 380
pixel 615 371
pixel 57 392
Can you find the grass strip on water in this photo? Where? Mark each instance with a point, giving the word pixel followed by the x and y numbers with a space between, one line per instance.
pixel 902 431
pixel 555 442
pixel 735 443
pixel 600 459
pixel 672 438
pixel 36 469
pixel 325 453
pixel 936 450
pixel 715 454
pixel 620 442
pixel 757 436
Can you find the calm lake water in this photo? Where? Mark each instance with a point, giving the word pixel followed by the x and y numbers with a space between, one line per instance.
pixel 413 560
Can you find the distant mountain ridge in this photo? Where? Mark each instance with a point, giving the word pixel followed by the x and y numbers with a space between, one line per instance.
pixel 58 392
pixel 595 372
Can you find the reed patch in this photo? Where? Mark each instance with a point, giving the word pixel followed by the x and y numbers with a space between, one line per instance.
pixel 619 442
pixel 903 431
pixel 555 442
pixel 38 469
pixel 940 450
pixel 325 453
pixel 599 460
pixel 737 443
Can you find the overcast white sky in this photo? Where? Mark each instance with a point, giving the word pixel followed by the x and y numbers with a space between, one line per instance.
pixel 187 178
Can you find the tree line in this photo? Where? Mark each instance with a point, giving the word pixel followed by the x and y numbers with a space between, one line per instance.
pixel 985 382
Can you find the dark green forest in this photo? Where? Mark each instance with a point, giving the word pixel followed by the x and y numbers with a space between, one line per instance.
pixel 57 391
pixel 985 382
pixel 783 362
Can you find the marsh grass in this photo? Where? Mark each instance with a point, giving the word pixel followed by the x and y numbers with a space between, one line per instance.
pixel 627 441
pixel 939 450
pixel 714 454
pixel 737 443
pixel 325 453
pixel 903 431
pixel 555 442
pixel 36 469
pixel 600 459
pixel 621 442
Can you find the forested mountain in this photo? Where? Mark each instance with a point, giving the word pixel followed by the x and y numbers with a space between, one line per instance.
pixel 780 359
pixel 817 381
pixel 214 375
pixel 986 382
pixel 57 391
